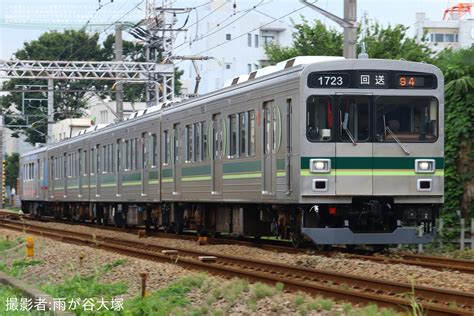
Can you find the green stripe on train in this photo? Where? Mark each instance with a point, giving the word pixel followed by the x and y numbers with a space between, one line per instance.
pixel 373 162
pixel 242 175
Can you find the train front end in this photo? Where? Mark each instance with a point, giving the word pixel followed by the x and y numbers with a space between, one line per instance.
pixel 371 151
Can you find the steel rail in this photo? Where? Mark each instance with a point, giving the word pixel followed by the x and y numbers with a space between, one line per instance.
pixel 336 285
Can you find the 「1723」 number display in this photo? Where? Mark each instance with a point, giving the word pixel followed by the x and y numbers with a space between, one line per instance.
pixel 328 80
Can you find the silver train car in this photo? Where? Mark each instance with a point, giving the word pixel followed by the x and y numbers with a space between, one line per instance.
pixel 321 148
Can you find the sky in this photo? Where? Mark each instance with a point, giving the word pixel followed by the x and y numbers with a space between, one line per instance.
pixel 24 20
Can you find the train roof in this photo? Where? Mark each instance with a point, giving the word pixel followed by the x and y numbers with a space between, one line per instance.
pixel 244 82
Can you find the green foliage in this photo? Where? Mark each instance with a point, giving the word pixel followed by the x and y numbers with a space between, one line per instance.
pixel 389 42
pixel 85 287
pixel 114 264
pixel 166 300
pixel 18 266
pixel 392 42
pixel 11 169
pixel 7 292
pixel 309 39
pixel 458 69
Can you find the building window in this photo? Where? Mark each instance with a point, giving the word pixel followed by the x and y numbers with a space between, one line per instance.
pixel 268 39
pixel 255 66
pixel 228 37
pixel 249 40
pixel 104 117
pixel 249 68
pixel 439 38
pixel 228 65
pixel 256 40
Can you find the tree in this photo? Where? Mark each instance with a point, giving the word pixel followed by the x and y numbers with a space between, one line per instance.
pixel 69 45
pixel 313 39
pixel 458 69
pixel 391 42
pixel 11 169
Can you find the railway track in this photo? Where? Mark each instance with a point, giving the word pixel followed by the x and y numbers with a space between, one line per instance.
pixel 360 290
pixel 425 261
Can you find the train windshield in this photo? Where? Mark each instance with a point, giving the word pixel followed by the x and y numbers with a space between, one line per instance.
pixel 406 119
pixel 319 118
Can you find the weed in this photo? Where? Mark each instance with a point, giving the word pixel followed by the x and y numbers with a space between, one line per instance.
pixel 6 244
pixel 326 304
pixel 114 264
pixel 17 267
pixel 252 304
pixel 299 299
pixel 346 307
pixel 279 287
pixel 217 313
pixel 303 310
pixel 234 289
pixel 6 293
pixel 313 305
pixel 261 290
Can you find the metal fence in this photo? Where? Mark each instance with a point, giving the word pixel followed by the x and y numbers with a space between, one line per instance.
pixel 465 230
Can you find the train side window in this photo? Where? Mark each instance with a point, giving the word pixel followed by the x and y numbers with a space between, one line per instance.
pixel 251 133
pixel 166 142
pixel 319 118
pixel 233 135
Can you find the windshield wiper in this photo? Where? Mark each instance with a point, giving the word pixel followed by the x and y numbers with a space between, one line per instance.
pixel 396 138
pixel 347 130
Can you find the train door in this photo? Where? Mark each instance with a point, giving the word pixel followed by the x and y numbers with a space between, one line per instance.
pixel 217 148
pixel 176 159
pixel 269 147
pixel 144 162
pixel 353 146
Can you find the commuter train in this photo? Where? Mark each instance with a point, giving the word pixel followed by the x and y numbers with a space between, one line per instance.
pixel 326 149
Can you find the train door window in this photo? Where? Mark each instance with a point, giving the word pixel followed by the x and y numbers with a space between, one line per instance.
pixel 86 163
pixel 119 154
pixel 233 136
pixel 134 154
pixel 92 160
pixel 354 118
pixel 267 126
pixel 112 158
pixel 144 151
pixel 64 166
pixel 104 159
pixel 197 142
pixel 176 143
pixel 127 155
pixel 167 146
pixel 319 118
pixel 251 118
pixel 154 150
pixel 275 130
pixel 204 140
pixel 189 143
pixel 406 119
pixel 243 134
pixel 80 162
pixel 97 157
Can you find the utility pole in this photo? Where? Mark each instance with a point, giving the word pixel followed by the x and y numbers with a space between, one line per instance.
pixel 119 57
pixel 350 33
pixel 349 23
pixel 49 135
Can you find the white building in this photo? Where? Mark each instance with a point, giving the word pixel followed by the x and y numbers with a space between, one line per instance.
pixel 454 32
pixel 235 41
pixel 99 112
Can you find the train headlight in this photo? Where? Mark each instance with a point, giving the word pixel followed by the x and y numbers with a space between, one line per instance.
pixel 320 165
pixel 424 165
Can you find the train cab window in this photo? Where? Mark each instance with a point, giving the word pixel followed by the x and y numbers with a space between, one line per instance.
pixel 406 119
pixel 319 119
pixel 354 118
